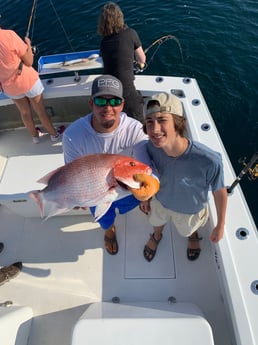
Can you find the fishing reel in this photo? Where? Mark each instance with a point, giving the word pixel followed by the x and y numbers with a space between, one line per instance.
pixel 139 68
pixel 252 170
pixel 34 50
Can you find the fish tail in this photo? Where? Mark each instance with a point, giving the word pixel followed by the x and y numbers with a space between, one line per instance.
pixel 37 198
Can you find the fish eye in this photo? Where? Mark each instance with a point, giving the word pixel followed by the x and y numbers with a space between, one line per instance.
pixel 132 164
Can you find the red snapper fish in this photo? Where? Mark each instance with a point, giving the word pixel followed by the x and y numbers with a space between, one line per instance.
pixel 90 180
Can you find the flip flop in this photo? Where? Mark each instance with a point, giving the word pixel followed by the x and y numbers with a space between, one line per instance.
pixel 149 253
pixel 193 253
pixel 113 242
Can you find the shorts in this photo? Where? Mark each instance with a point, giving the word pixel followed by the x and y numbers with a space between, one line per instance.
pixel 186 224
pixel 37 89
pixel 123 205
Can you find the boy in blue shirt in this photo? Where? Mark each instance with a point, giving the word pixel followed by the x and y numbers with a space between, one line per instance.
pixel 187 171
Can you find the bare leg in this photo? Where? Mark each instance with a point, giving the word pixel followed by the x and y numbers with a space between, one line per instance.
pixel 39 107
pixel 157 230
pixel 24 108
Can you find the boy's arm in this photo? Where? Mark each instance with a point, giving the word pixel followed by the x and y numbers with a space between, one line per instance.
pixel 220 199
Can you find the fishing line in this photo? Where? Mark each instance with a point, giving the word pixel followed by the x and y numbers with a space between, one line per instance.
pixel 32 21
pixel 60 22
pixel 158 42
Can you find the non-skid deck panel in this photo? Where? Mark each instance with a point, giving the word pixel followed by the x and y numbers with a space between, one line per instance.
pixel 163 267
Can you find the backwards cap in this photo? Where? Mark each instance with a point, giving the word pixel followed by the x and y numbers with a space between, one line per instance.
pixel 168 103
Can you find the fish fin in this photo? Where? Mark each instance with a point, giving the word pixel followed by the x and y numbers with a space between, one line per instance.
pixel 122 192
pixel 51 209
pixel 37 198
pixel 47 177
pixel 102 209
pixel 106 202
pixel 54 211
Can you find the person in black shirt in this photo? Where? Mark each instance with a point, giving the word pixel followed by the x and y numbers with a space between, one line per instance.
pixel 119 47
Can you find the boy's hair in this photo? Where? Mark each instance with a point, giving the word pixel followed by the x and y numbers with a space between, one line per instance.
pixel 111 20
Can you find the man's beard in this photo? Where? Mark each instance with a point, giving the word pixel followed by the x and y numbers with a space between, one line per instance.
pixel 108 124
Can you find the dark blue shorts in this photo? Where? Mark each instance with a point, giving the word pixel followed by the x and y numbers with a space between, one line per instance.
pixel 123 205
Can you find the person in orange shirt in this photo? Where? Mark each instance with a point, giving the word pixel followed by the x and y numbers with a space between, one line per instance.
pixel 21 82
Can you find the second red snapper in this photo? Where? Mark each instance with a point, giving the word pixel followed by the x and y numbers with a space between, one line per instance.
pixel 90 180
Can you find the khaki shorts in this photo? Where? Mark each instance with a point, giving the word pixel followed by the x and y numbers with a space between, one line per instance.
pixel 186 224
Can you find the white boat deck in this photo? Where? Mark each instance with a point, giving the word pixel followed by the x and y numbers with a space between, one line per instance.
pixel 66 272
pixel 65 267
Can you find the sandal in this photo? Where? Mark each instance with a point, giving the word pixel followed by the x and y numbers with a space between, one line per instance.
pixel 113 243
pixel 149 253
pixel 193 253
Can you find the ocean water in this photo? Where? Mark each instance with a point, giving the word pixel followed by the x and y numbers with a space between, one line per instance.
pixel 219 45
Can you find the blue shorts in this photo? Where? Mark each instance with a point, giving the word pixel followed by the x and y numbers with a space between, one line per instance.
pixel 123 205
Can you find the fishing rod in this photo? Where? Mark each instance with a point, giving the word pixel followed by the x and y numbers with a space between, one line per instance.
pixel 31 17
pixel 248 168
pixel 159 42
pixel 33 48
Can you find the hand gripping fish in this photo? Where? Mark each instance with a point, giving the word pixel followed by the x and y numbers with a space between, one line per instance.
pixel 90 180
pixel 149 186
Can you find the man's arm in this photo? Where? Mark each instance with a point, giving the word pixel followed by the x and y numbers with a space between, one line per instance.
pixel 28 57
pixel 140 56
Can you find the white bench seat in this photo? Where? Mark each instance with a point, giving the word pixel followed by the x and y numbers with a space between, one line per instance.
pixel 20 175
pixel 15 324
pixel 142 323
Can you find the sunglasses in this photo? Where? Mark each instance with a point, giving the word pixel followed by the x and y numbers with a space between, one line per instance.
pixel 102 102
